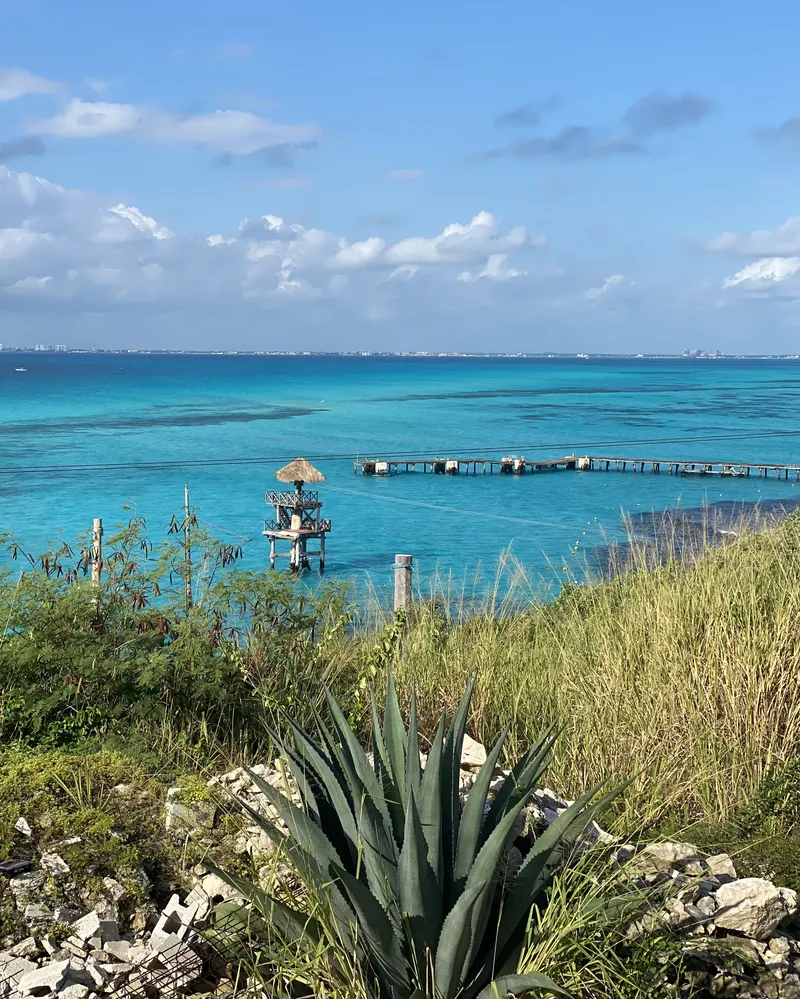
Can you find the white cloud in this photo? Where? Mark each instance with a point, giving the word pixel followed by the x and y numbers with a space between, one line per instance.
pixel 614 281
pixel 16 243
pixel 16 83
pixel 496 269
pixel 403 273
pixel 459 244
pixel 29 285
pixel 769 270
pixel 781 242
pixel 96 254
pixel 124 222
pixel 406 174
pixel 235 132
pixel 357 254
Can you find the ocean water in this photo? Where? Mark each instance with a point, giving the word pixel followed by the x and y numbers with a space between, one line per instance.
pixel 107 410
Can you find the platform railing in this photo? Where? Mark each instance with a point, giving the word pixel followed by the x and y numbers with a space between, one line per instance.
pixel 293 498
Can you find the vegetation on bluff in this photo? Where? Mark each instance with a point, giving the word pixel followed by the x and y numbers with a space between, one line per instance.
pixel 682 676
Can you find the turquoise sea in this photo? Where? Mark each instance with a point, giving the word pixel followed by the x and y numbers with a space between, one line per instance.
pixel 107 410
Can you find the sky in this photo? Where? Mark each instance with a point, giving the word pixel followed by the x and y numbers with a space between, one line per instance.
pixel 583 176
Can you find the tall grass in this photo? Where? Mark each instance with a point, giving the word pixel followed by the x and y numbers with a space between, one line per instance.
pixel 686 675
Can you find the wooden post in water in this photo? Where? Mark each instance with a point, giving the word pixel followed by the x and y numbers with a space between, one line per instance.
pixel 97 551
pixel 402 582
pixel 187 548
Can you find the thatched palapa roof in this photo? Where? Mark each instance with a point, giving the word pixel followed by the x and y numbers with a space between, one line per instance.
pixel 299 470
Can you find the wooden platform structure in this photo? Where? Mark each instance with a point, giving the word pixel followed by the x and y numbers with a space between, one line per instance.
pixel 297 518
pixel 511 465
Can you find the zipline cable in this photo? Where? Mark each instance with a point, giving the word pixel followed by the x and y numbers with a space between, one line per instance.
pixel 451 509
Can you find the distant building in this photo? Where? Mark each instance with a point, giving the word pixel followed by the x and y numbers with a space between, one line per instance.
pixel 43 346
pixel 61 347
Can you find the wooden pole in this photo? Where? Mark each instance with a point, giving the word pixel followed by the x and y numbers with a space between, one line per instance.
pixel 97 550
pixel 402 581
pixel 187 549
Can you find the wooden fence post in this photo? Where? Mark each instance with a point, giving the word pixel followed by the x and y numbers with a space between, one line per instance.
pixel 97 550
pixel 187 549
pixel 402 581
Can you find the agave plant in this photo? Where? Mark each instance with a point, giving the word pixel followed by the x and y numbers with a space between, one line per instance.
pixel 419 886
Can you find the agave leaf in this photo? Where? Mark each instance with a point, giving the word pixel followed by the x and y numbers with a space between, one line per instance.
pixel 316 799
pixel 413 769
pixel 289 923
pixel 454 943
pixel 430 802
pixel 239 933
pixel 304 836
pixel 377 934
pixel 524 776
pixel 235 919
pixel 394 735
pixel 472 816
pixel 516 985
pixel 312 873
pixel 420 894
pixel 314 867
pixel 338 754
pixel 458 726
pixel 366 775
pixel 334 807
pixel 383 770
pixel 543 858
pixel 451 805
pixel 488 869
pixel 373 824
pixel 470 914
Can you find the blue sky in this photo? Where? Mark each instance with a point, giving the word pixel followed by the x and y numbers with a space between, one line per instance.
pixel 620 176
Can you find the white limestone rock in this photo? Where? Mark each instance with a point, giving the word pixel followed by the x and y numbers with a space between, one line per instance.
pixel 47 978
pixel 753 907
pixel 74 992
pixel 84 929
pixel 29 947
pixel 661 858
pixel 473 754
pixel 14 968
pixel 54 864
pixel 721 866
pixel 118 949
pixel 26 885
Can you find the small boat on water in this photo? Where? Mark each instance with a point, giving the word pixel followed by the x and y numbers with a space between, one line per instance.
pixel 20 369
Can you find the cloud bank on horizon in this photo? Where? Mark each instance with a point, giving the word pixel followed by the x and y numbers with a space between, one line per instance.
pixel 574 233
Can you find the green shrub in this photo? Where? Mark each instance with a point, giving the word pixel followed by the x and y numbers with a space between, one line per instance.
pixel 79 662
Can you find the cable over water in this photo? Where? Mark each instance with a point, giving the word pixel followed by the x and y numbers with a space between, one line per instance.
pixel 570 447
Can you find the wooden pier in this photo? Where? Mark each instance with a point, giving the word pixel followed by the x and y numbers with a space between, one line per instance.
pixel 510 465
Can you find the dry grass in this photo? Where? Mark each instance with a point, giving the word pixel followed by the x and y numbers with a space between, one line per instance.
pixel 684 675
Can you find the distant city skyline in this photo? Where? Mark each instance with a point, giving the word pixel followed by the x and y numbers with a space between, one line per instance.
pixel 686 354
pixel 574 178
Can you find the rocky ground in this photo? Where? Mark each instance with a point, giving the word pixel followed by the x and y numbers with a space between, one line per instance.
pixel 87 937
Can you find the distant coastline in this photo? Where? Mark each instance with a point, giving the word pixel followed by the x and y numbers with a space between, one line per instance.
pixel 510 355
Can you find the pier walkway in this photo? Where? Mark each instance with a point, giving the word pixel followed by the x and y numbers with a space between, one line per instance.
pixel 510 465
